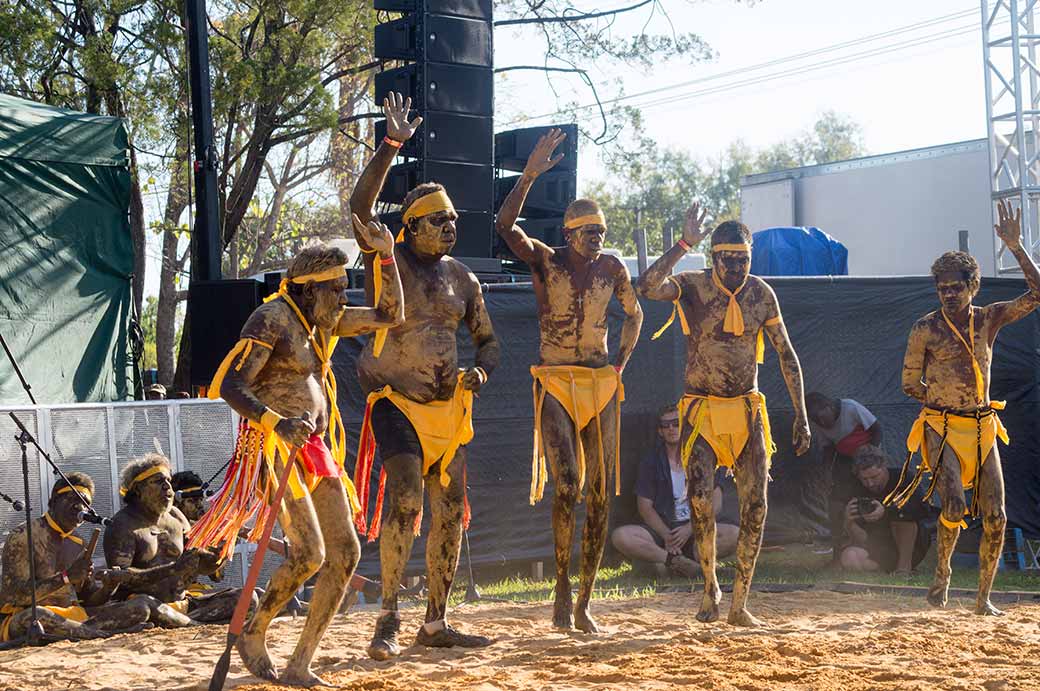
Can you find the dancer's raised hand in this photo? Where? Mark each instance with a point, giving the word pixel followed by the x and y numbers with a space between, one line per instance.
pixel 395 108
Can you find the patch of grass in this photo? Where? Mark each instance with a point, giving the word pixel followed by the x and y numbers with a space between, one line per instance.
pixel 790 564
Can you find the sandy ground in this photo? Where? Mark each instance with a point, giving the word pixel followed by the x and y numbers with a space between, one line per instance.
pixel 813 640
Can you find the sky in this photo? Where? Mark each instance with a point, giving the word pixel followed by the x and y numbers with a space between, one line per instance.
pixel 928 92
pixel 908 71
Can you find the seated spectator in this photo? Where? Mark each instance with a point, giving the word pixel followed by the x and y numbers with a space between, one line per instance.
pixel 842 426
pixel 155 392
pixel 194 505
pixel 72 599
pixel 879 538
pixel 665 537
pixel 146 539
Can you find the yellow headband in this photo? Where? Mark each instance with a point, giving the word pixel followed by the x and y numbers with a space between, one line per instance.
pixel 588 219
pixel 428 204
pixel 185 490
pixel 143 475
pixel 732 247
pixel 79 488
pixel 326 275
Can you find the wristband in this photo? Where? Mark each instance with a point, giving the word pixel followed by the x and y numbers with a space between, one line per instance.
pixel 617 368
pixel 269 420
pixel 685 245
pixel 388 261
pixel 392 142
pixel 65 578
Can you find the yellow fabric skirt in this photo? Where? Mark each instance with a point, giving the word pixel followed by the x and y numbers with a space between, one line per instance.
pixel 73 612
pixel 583 392
pixel 963 434
pixel 725 423
pixel 442 426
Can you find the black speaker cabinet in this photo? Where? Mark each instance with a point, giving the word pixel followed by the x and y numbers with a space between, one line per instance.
pixel 512 147
pixel 475 9
pixel 219 309
pixel 451 88
pixel 448 137
pixel 435 38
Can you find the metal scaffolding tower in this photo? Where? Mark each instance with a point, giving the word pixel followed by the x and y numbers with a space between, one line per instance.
pixel 1012 75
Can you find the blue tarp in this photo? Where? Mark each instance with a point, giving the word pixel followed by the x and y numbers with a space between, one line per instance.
pixel 798 252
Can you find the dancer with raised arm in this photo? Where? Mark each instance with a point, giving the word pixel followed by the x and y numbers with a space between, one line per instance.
pixel 577 392
pixel 420 404
pixel 946 368
pixel 724 312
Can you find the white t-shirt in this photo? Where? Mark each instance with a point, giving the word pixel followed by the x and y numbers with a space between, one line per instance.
pixel 682 505
pixel 852 415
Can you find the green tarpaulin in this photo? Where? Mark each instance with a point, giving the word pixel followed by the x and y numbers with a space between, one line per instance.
pixel 65 253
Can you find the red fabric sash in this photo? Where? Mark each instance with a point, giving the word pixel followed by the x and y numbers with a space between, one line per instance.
pixel 316 458
pixel 848 445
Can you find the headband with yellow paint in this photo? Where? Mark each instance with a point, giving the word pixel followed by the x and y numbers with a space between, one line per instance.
pixel 741 247
pixel 142 476
pixel 326 275
pixel 87 494
pixel 588 219
pixel 424 206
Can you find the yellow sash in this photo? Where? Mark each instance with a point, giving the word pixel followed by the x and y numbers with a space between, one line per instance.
pixel 65 535
pixel 980 386
pixel 725 423
pixel 734 321
pixel 583 392
pixel 442 426
pixel 734 318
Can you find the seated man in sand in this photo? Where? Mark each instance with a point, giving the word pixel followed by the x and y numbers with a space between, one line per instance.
pixel 146 538
pixel 665 537
pixel 72 600
pixel 876 537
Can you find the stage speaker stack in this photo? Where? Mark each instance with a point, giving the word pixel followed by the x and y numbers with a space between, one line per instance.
pixel 551 193
pixel 447 48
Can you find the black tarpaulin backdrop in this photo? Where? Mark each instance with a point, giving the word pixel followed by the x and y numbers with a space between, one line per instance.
pixel 850 335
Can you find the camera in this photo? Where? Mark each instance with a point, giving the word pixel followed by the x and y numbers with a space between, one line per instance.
pixel 864 505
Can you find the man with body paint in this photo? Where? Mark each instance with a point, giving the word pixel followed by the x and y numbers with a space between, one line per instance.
pixel 724 312
pixel 947 368
pixel 577 392
pixel 420 403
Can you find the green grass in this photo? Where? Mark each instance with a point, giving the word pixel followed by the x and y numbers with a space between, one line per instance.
pixel 791 564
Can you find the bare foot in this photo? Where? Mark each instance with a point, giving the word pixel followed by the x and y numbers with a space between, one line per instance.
pixel 252 648
pixel 301 677
pixel 937 594
pixel 583 621
pixel 987 609
pixel 741 617
pixel 562 618
pixel 709 610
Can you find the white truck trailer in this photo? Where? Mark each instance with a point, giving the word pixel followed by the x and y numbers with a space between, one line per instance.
pixel 895 212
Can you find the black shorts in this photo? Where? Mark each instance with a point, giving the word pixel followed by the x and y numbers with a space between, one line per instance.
pixel 881 547
pixel 394 433
pixel 689 550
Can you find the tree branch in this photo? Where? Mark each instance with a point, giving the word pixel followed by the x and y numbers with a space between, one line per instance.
pixel 572 17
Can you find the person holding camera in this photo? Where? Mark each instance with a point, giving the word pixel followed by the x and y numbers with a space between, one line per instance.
pixel 877 538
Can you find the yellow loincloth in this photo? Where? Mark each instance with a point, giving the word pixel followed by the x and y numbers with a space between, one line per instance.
pixel 583 392
pixel 725 423
pixel 972 438
pixel 73 612
pixel 441 426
